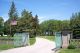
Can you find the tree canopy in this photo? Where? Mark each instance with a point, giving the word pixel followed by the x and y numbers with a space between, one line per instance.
pixel 75 21
pixel 26 22
pixel 1 26
pixel 54 25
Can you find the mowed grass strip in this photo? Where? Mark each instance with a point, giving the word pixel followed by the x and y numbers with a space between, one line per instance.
pixel 69 51
pixel 33 40
pixel 48 37
pixel 5 47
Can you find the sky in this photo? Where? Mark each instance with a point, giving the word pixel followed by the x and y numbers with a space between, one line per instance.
pixel 45 9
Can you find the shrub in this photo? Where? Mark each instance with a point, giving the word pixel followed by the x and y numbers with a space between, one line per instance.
pixel 71 46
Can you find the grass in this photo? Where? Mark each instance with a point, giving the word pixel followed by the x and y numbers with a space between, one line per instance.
pixel 70 51
pixel 48 37
pixel 5 47
pixel 32 41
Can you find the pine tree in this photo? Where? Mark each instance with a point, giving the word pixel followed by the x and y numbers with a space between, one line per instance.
pixel 9 29
pixel 1 26
pixel 12 12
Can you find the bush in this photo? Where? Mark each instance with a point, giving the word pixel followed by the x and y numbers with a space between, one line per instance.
pixel 71 46
pixel 32 36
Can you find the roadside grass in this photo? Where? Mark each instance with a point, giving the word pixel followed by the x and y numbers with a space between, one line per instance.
pixel 33 40
pixel 5 47
pixel 48 37
pixel 69 51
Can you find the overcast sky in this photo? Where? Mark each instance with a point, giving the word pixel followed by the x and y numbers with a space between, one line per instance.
pixel 45 9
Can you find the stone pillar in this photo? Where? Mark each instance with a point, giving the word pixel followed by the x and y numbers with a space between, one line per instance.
pixel 65 40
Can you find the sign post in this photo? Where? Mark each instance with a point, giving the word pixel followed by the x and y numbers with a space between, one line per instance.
pixel 12 23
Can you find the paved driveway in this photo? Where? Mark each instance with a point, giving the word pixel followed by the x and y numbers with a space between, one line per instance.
pixel 41 46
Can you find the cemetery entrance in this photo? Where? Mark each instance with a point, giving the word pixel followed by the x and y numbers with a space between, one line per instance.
pixel 58 39
pixel 21 39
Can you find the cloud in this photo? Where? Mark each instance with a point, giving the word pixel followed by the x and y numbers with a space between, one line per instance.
pixel 56 17
pixel 42 18
pixel 5 17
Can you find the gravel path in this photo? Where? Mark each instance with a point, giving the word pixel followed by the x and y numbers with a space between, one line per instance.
pixel 41 46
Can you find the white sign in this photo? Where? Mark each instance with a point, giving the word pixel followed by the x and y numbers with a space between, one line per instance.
pixel 13 22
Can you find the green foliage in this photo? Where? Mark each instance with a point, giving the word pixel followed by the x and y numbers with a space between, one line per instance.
pixel 12 16
pixel 54 25
pixel 32 41
pixel 12 12
pixel 27 22
pixel 75 24
pixel 75 42
pixel 1 26
pixel 75 21
pixel 71 46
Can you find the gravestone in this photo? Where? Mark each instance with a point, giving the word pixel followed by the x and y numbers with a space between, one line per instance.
pixel 21 39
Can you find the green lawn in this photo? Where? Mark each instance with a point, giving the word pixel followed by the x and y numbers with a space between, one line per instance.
pixel 70 51
pixel 48 37
pixel 5 47
pixel 32 40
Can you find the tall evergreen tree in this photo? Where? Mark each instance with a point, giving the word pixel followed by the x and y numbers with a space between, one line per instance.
pixel 12 12
pixel 36 23
pixel 75 21
pixel 1 26
pixel 75 24
pixel 12 16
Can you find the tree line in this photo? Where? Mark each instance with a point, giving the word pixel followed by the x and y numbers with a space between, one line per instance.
pixel 54 26
pixel 58 25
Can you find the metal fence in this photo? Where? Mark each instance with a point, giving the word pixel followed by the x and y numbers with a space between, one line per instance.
pixel 19 39
pixel 6 40
pixel 75 42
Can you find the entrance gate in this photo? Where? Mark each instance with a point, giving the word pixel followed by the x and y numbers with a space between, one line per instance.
pixel 58 39
pixel 21 39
